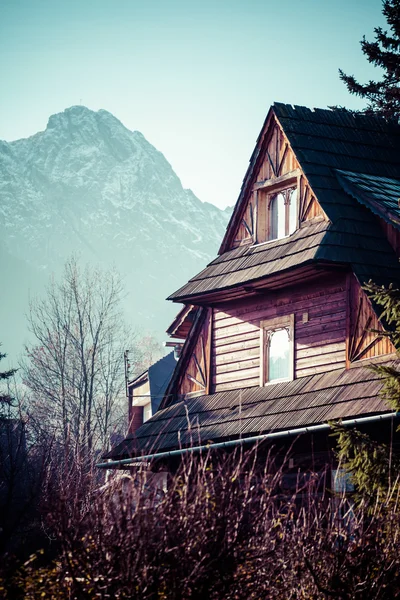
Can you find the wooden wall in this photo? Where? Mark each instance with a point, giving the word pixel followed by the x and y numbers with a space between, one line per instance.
pixel 320 332
pixel 332 322
pixel 277 160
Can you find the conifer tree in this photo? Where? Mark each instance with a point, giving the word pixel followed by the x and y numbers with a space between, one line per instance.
pixel 4 375
pixel 375 469
pixel 383 95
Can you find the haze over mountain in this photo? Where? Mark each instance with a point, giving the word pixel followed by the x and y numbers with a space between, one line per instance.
pixel 89 185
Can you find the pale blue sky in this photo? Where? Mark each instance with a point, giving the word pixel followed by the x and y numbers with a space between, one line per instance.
pixel 195 77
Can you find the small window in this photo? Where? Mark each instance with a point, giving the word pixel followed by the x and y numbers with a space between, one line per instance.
pixel 147 412
pixel 279 355
pixel 282 214
pixel 277 338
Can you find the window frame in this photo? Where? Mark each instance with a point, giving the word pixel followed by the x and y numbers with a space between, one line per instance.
pixel 266 328
pixel 271 196
pixel 263 192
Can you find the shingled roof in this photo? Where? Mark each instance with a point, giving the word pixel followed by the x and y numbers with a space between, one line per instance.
pixel 228 415
pixel 352 163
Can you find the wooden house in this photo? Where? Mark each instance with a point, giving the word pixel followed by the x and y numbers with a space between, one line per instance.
pixel 146 391
pixel 278 329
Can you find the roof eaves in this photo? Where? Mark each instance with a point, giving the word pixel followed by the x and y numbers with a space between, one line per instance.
pixel 367 200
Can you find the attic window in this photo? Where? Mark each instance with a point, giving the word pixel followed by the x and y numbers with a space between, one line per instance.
pixel 282 213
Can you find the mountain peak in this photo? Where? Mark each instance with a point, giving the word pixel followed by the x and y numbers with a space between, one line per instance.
pixel 79 116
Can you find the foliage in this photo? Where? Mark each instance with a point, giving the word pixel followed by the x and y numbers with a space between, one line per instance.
pixel 5 397
pixel 223 530
pixel 373 465
pixel 383 95
pixel 388 300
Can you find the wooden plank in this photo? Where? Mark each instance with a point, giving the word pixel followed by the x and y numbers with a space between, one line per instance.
pixel 238 346
pixel 325 318
pixel 335 293
pixel 320 350
pixel 277 182
pixel 261 312
pixel 209 351
pixel 242 328
pixel 369 346
pixel 319 340
pixel 236 375
pixel 323 359
pixel 237 366
pixel 319 369
pixel 195 381
pixel 332 325
pixel 220 359
pixel 281 170
pixel 236 385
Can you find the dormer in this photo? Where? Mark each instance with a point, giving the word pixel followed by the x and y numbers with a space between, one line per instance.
pixel 275 197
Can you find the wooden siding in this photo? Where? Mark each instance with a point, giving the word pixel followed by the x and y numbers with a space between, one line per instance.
pixel 278 161
pixel 363 339
pixel 319 333
pixel 196 377
pixel 141 390
pixel 135 418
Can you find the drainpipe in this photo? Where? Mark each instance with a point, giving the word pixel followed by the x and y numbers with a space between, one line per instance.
pixel 135 461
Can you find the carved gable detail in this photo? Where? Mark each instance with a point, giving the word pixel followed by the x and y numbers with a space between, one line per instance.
pixel 196 376
pixel 276 170
pixel 364 337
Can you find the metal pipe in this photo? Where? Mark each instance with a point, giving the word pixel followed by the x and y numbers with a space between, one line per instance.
pixel 255 438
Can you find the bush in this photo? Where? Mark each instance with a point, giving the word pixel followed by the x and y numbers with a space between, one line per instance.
pixel 223 530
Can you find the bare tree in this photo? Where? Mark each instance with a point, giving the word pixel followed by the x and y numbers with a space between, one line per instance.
pixel 74 370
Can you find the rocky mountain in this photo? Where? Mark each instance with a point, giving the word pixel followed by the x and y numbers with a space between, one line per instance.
pixel 89 185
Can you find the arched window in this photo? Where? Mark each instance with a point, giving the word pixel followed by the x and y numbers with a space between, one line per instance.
pixel 279 355
pixel 277 217
pixel 282 214
pixel 277 350
pixel 292 200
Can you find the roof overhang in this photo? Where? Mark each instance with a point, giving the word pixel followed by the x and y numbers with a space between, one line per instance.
pixel 182 323
pixel 309 271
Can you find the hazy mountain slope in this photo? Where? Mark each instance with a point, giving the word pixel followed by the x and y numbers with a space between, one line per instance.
pixel 89 185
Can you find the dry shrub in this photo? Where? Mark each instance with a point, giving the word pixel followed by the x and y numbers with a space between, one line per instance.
pixel 226 528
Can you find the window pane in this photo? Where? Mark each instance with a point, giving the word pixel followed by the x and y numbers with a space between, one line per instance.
pixel 277 217
pixel 146 412
pixel 279 355
pixel 293 211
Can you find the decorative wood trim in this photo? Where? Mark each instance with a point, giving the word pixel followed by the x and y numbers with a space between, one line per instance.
pixel 262 356
pixel 281 181
pixel 357 350
pixel 348 315
pixel 271 163
pixel 286 146
pixel 367 347
pixel 208 356
pixel 194 380
pixel 255 236
pixel 366 335
pixel 375 360
pixel 198 365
